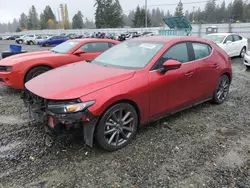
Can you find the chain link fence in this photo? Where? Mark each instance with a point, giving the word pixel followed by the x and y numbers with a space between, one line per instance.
pixel 198 30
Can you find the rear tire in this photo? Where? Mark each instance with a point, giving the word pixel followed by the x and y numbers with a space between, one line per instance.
pixel 34 72
pixel 222 90
pixel 117 127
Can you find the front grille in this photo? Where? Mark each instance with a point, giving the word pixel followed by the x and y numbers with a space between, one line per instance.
pixel 3 68
pixel 1 80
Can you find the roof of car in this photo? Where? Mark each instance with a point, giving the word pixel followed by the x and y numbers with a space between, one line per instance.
pixel 166 39
pixel 221 34
pixel 92 39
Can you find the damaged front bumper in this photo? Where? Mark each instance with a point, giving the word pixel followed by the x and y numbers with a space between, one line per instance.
pixel 58 123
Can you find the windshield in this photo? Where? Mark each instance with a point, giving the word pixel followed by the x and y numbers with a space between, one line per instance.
pixel 129 54
pixel 65 47
pixel 215 38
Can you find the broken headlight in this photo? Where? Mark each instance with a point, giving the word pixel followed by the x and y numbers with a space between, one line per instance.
pixel 65 107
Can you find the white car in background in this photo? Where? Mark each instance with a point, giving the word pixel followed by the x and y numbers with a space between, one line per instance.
pixel 30 39
pixel 40 39
pixel 233 44
pixel 246 60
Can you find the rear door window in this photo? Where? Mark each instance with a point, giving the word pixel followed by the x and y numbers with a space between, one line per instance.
pixel 201 50
pixel 95 47
pixel 237 37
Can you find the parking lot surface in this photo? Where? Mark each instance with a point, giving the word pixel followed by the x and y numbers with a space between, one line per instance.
pixel 205 146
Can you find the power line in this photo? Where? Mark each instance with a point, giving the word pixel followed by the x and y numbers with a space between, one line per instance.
pixel 172 4
pixel 194 2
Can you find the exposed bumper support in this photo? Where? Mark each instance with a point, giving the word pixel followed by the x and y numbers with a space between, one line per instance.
pixel 41 114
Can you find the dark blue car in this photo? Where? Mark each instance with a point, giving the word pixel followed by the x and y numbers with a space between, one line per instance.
pixel 53 41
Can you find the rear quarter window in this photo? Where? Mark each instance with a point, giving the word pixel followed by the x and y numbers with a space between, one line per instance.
pixel 237 37
pixel 201 50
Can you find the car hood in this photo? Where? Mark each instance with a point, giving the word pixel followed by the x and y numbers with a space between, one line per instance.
pixel 76 80
pixel 12 60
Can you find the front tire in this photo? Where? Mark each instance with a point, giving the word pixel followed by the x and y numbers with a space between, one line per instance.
pixel 46 45
pixel 222 90
pixel 242 52
pixel 117 127
pixel 34 72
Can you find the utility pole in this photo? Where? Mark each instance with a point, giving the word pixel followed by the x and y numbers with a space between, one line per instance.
pixel 146 13
pixel 193 13
pixel 62 14
pixel 59 20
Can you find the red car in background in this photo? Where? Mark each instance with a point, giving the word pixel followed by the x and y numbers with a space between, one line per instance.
pixel 18 69
pixel 133 83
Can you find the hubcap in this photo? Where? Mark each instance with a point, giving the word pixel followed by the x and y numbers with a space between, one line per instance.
pixel 243 52
pixel 119 127
pixel 223 89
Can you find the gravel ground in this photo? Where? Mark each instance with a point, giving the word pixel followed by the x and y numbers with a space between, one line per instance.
pixel 206 146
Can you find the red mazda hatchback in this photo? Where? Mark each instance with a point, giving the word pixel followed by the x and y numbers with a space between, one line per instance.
pixel 135 82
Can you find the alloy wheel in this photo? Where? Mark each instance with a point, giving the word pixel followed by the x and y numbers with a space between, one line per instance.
pixel 243 51
pixel 223 89
pixel 119 127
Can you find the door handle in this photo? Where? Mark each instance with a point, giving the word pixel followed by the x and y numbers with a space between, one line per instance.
pixel 215 65
pixel 189 73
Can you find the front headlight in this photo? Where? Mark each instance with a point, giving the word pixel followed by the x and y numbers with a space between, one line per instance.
pixel 248 53
pixel 5 68
pixel 70 107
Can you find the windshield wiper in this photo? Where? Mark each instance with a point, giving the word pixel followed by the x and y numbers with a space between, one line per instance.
pixel 89 60
pixel 54 51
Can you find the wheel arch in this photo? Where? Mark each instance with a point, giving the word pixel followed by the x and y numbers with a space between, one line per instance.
pixel 126 100
pixel 228 75
pixel 32 67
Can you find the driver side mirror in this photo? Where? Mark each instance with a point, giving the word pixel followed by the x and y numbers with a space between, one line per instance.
pixel 228 42
pixel 79 52
pixel 170 65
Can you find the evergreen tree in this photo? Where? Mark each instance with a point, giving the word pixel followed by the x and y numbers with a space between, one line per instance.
pixel 117 14
pixel 100 13
pixel 77 21
pixel 237 11
pixel 23 21
pixel 33 21
pixel 229 12
pixel 131 16
pixel 247 12
pixel 221 13
pixel 168 15
pixel 143 17
pixel 47 19
pixel 108 14
pixel 210 10
pixel 66 17
pixel 187 14
pixel 179 9
pixel 137 17
pixel 156 17
pixel 18 30
pixel 89 24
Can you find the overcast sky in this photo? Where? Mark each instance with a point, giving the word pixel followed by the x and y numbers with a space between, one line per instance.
pixel 10 9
